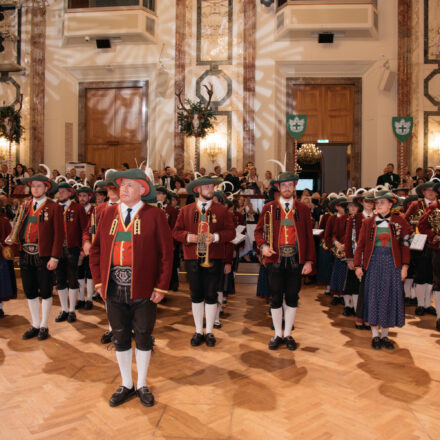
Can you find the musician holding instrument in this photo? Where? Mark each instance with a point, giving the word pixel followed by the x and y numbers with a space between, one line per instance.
pixel 85 196
pixel 421 260
pixel 284 236
pixel 39 231
pixel 429 224
pixel 203 228
pixel 334 237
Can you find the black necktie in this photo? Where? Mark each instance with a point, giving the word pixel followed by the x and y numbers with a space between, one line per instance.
pixel 383 219
pixel 203 208
pixel 35 206
pixel 128 217
pixel 287 206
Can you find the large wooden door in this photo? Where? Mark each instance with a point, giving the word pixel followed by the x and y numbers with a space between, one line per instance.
pixel 329 110
pixel 114 126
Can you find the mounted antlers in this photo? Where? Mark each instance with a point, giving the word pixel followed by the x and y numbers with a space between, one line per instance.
pixel 181 106
pixel 210 92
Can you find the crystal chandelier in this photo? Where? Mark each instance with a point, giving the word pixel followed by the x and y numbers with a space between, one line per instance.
pixel 309 154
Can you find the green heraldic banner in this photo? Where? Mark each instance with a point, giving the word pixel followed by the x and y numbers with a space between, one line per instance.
pixel 296 125
pixel 402 127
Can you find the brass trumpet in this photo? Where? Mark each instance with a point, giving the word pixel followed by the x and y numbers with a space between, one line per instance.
pixel 434 221
pixel 202 247
pixel 268 227
pixel 7 251
pixel 337 253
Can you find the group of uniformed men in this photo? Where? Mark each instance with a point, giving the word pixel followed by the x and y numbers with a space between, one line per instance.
pixel 127 249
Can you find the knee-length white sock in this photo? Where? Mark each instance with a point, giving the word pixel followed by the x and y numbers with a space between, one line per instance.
pixel 436 295
pixel 375 331
pixel 289 319
pixel 124 361
pixel 428 289
pixel 82 284
pixel 34 307
pixel 420 294
pixel 46 305
pixel 384 332
pixel 73 293
pixel 407 285
pixel 277 319
pixel 219 307
pixel 347 300
pixel 142 363
pixel 355 299
pixel 210 312
pixel 197 310
pixel 63 294
pixel 90 289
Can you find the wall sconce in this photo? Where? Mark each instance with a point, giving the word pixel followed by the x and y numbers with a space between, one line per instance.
pixel 213 146
pixel 4 149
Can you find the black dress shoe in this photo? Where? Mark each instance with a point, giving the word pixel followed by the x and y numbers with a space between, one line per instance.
pixel 275 342
pixel 146 397
pixel 30 333
pixel 327 293
pixel 290 343
pixel 210 340
pixel 335 301
pixel 62 317
pixel 88 305
pixel 197 339
pixel 353 311
pixel 97 297
pixel 79 305
pixel 408 301
pixel 420 311
pixel 414 301
pixel 2 313
pixel 376 344
pixel 366 327
pixel 359 326
pixel 106 338
pixel 431 311
pixel 437 325
pixel 386 343
pixel 71 317
pixel 217 325
pixel 121 395
pixel 341 300
pixel 43 333
pixel 347 311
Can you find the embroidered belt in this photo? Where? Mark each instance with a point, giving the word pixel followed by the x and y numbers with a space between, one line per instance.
pixel 30 248
pixel 288 250
pixel 121 275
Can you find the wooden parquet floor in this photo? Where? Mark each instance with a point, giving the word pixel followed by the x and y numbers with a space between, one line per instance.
pixel 333 387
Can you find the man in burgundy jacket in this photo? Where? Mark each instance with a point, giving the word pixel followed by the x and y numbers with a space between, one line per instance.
pixel 291 255
pixel 131 260
pixel 75 223
pixel 422 259
pixel 193 221
pixel 41 238
pixel 429 225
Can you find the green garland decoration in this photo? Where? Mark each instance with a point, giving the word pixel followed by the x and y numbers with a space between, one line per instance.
pixel 185 119
pixel 17 128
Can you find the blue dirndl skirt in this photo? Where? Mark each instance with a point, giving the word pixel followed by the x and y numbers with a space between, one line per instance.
pixel 8 287
pixel 339 275
pixel 325 263
pixel 383 291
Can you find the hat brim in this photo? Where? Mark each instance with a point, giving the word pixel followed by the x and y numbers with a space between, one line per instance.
pixel 420 188
pixel 144 183
pixel 193 187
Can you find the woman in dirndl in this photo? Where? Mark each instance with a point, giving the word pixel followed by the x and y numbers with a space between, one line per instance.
pixel 382 254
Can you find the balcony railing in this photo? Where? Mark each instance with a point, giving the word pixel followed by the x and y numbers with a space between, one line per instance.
pixel 92 4
pixel 329 2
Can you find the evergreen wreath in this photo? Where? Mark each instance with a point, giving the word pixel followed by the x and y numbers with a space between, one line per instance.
pixel 16 129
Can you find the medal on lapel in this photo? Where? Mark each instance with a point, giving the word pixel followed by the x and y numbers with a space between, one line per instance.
pixel 137 226
pixel 214 218
pixel 46 216
pixel 71 216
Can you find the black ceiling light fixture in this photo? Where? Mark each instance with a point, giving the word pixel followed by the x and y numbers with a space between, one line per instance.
pixel 267 3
